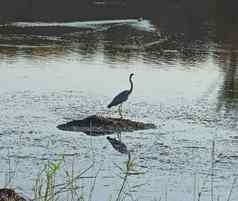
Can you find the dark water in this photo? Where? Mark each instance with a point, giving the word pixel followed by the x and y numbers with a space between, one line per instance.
pixel 185 82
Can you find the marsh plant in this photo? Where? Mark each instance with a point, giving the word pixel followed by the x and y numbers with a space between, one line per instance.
pixel 44 188
pixel 47 189
pixel 129 167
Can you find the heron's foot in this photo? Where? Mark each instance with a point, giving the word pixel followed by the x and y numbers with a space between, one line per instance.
pixel 121 117
pixel 119 136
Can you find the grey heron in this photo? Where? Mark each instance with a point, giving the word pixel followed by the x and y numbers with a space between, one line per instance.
pixel 122 97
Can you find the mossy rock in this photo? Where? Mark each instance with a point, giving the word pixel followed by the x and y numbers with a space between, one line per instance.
pixel 97 125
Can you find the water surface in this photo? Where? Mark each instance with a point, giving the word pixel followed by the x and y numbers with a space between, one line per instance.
pixel 185 83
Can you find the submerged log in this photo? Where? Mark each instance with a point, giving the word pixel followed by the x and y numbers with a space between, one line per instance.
pixel 97 125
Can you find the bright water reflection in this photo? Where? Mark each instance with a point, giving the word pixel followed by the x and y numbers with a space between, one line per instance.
pixel 185 82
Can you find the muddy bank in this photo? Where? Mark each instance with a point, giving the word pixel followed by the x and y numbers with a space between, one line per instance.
pixel 97 125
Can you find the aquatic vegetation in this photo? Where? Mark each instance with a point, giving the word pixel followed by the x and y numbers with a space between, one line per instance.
pixel 46 188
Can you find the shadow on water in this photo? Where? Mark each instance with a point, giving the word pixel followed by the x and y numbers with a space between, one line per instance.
pixel 124 42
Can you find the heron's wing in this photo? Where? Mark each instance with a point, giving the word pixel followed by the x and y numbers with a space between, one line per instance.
pixel 120 98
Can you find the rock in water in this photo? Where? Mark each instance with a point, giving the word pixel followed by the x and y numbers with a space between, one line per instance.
pixel 98 125
pixel 10 195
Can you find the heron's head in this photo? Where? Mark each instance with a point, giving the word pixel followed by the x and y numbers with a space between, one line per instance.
pixel 131 75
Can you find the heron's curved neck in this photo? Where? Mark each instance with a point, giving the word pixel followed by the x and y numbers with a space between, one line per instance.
pixel 130 79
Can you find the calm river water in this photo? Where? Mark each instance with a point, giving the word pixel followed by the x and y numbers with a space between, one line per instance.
pixel 186 83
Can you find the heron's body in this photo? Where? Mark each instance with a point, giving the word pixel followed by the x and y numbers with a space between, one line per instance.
pixel 123 96
pixel 120 98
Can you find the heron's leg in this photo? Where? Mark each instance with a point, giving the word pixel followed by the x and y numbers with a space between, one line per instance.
pixel 120 111
pixel 119 136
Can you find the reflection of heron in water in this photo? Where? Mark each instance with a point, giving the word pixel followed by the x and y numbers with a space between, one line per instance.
pixel 118 145
pixel 122 97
